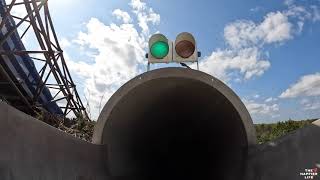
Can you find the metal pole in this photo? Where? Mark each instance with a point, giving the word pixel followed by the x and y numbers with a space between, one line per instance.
pixel 2 70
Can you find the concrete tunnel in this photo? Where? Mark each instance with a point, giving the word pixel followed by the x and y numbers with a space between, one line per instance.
pixel 175 123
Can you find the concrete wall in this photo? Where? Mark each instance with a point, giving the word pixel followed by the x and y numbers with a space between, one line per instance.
pixel 286 157
pixel 150 82
pixel 175 122
pixel 33 150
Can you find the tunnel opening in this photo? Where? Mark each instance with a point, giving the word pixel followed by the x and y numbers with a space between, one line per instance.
pixel 175 127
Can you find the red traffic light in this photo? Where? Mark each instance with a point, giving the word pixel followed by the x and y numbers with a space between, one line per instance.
pixel 185 48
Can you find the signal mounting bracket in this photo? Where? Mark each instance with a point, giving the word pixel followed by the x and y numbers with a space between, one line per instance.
pixel 148 65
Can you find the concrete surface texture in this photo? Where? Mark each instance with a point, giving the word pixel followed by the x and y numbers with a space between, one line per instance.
pixel 33 150
pixel 170 123
pixel 286 157
pixel 175 122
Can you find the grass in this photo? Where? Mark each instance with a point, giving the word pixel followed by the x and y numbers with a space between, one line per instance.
pixel 83 128
pixel 270 132
pixel 79 127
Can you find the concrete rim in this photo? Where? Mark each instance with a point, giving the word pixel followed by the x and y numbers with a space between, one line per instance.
pixel 174 72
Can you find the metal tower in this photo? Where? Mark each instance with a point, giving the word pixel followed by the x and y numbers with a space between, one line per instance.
pixel 21 84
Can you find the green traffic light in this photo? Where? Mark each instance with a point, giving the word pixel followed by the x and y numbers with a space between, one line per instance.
pixel 159 49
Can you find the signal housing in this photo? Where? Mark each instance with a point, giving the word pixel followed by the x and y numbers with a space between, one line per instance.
pixel 185 48
pixel 159 38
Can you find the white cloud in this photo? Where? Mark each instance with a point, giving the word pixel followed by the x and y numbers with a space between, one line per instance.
pixel 312 106
pixel 304 13
pixel 120 50
pixel 256 96
pixel 145 15
pixel 316 13
pixel 138 5
pixel 243 33
pixel 299 12
pixel 80 68
pixel 276 28
pixel 244 54
pixel 256 9
pixel 256 108
pixel 270 99
pixel 122 15
pixel 288 2
pixel 19 11
pixel 245 39
pixel 64 43
pixel 304 101
pixel 308 85
pixel 247 61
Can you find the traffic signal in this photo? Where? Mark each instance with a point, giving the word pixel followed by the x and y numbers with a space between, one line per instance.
pixel 160 49
pixel 185 48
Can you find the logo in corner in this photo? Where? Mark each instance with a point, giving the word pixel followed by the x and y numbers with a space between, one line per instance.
pixel 309 173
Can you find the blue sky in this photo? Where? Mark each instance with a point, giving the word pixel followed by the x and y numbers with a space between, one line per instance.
pixel 267 51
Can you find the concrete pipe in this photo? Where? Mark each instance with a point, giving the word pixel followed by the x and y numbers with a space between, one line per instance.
pixel 175 123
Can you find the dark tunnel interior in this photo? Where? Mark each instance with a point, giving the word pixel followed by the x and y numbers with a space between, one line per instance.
pixel 175 128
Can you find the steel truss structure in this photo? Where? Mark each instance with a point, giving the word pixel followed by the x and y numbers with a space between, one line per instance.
pixel 53 64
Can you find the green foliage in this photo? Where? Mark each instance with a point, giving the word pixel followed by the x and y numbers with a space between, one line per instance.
pixel 83 128
pixel 270 132
pixel 80 127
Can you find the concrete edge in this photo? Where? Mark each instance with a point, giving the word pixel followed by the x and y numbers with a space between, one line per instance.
pixel 4 105
pixel 179 73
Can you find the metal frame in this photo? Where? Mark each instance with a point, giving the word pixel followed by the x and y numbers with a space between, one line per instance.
pixel 149 64
pixel 54 65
